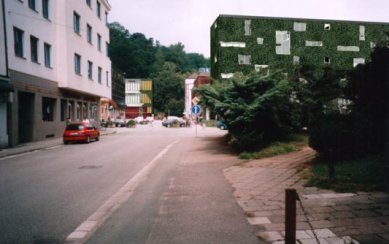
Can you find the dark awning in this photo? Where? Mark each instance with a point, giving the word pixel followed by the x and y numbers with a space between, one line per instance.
pixel 5 86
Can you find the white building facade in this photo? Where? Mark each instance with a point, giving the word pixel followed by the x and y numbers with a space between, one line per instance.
pixel 189 84
pixel 58 64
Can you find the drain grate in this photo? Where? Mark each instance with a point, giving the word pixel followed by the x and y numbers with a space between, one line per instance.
pixel 90 167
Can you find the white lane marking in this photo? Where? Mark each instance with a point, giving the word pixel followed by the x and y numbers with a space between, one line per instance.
pixel 93 222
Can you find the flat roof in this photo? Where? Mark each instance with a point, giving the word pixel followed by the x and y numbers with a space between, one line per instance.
pixel 299 18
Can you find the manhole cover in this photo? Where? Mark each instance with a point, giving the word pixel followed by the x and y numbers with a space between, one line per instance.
pixel 90 167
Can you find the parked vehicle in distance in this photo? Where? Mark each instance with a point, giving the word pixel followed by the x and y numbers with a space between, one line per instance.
pixel 119 122
pixel 80 132
pixel 173 122
pixel 139 119
pixel 175 117
pixel 221 125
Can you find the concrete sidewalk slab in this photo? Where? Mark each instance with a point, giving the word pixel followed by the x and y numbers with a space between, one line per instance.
pixel 260 185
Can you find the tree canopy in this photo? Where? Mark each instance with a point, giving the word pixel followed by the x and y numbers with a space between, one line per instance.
pixel 140 57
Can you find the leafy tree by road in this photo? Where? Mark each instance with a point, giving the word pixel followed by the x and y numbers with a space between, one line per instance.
pixel 257 109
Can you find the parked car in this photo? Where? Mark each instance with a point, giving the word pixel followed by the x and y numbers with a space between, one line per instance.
pixel 139 119
pixel 119 122
pixel 80 132
pixel 221 125
pixel 171 122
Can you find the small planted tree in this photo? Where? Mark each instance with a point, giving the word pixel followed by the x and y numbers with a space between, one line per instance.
pixel 257 109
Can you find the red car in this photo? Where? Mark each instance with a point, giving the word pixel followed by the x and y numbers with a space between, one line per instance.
pixel 81 131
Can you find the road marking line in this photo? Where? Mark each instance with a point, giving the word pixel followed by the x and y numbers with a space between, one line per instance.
pixel 84 231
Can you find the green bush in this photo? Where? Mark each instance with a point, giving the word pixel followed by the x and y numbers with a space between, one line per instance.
pixel 257 108
pixel 131 123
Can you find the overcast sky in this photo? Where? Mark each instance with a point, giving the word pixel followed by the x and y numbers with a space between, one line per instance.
pixel 189 21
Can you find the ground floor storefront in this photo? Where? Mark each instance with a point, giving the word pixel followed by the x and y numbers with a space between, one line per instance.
pixel 39 109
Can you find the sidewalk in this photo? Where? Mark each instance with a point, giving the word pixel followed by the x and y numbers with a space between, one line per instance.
pixel 335 217
pixel 39 145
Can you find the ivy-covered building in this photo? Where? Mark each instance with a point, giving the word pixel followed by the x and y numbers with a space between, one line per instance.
pixel 246 43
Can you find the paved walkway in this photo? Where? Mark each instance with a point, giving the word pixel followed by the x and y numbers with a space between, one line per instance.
pixel 335 217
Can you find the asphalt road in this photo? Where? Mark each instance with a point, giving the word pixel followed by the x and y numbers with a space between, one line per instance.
pixel 46 195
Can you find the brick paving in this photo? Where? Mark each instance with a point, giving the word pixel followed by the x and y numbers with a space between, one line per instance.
pixel 260 185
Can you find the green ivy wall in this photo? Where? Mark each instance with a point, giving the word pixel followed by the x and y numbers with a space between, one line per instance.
pixel 341 33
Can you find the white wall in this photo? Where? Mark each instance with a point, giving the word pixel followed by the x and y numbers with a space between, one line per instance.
pixel 76 43
pixel 19 15
pixel 189 83
pixel 58 32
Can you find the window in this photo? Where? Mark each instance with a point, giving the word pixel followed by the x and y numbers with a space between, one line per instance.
pixel 357 61
pixel 99 75
pixel 64 109
pixel 283 42
pixel 47 52
pixel 313 43
pixel 45 9
pixel 233 44
pixel 89 33
pixel 327 60
pixel 76 22
pixel 77 64
pixel 247 27
pixel 327 26
pixel 34 48
pixel 18 42
pixel 362 33
pixel 299 27
pixel 90 70
pixel 106 18
pixel 244 59
pixel 107 48
pixel 88 2
pixel 98 9
pixel 48 105
pixel 296 60
pixel 78 111
pixel 99 42
pixel 107 78
pixel 32 4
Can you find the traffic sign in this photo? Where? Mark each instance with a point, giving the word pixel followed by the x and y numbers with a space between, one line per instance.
pixel 195 100
pixel 196 109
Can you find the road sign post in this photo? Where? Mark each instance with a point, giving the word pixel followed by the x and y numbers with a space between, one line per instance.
pixel 196 110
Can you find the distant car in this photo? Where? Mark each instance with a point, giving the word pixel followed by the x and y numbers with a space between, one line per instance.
pixel 175 117
pixel 221 125
pixel 80 132
pixel 170 123
pixel 119 122
pixel 139 119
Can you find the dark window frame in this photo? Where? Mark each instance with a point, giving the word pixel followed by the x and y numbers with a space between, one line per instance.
pixel 46 9
pixel 76 22
pixel 47 54
pixel 77 64
pixel 90 70
pixel 34 49
pixel 98 9
pixel 19 42
pixel 89 32
pixel 32 5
